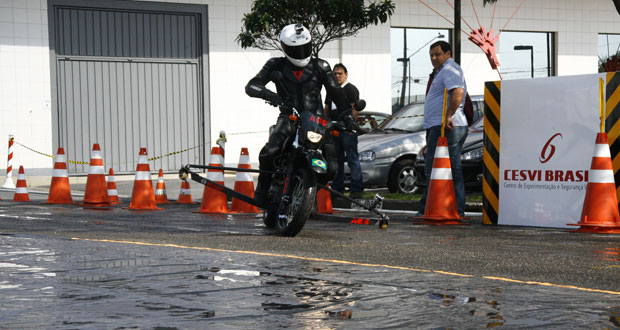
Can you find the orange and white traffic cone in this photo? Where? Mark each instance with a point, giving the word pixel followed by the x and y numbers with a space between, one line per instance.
pixel 244 184
pixel 185 194
pixel 60 190
pixel 441 208
pixel 213 199
pixel 143 196
pixel 96 193
pixel 112 191
pixel 160 189
pixel 21 189
pixel 324 201
pixel 600 205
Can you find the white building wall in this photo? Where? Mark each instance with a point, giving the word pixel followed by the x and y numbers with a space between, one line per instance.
pixel 25 102
pixel 25 73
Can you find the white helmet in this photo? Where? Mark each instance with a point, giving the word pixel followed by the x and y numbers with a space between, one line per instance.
pixel 296 44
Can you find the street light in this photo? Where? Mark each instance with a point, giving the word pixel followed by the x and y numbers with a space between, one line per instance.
pixel 531 49
pixel 405 61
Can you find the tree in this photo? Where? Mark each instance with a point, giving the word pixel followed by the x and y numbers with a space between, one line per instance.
pixel 327 20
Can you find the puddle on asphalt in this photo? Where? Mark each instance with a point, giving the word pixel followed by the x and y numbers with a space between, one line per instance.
pixel 50 283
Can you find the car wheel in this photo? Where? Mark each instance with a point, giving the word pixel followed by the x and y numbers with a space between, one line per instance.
pixel 402 177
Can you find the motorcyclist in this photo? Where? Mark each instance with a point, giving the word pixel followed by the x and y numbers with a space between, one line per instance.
pixel 303 78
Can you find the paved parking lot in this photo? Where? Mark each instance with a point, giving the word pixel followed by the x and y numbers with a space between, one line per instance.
pixel 121 268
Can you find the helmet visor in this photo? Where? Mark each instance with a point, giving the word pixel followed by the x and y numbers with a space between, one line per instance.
pixel 298 52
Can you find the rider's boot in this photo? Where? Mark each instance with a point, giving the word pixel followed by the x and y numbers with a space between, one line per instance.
pixel 262 187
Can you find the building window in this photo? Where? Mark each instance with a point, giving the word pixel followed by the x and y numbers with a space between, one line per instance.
pixel 526 54
pixel 608 52
pixel 410 62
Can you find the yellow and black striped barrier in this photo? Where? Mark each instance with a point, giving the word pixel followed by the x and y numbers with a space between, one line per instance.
pixel 490 183
pixel 612 122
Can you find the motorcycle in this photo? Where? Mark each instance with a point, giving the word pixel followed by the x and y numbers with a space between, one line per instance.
pixel 294 184
pixel 293 188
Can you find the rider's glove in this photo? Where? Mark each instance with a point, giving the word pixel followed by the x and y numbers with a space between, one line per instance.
pixel 349 123
pixel 272 98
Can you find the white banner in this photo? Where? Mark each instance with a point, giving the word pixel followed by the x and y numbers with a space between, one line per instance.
pixel 548 130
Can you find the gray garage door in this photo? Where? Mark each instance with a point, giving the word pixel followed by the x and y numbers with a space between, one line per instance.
pixel 128 75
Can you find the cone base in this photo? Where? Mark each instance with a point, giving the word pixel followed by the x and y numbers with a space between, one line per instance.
pixel 8 184
pixel 324 202
pixel 163 200
pixel 21 198
pixel 186 202
pixel 243 207
pixel 251 211
pixel 142 208
pixel 214 201
pixel 93 204
pixel 69 202
pixel 217 212
pixel 596 229
pixel 441 221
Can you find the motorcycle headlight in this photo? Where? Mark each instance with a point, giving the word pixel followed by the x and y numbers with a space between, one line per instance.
pixel 314 137
pixel 367 156
pixel 472 154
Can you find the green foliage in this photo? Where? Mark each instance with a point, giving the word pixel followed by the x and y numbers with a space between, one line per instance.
pixel 486 2
pixel 327 20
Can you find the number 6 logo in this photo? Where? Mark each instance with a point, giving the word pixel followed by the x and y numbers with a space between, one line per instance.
pixel 544 157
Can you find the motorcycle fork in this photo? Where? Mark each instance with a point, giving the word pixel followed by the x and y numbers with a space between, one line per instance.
pixel 286 191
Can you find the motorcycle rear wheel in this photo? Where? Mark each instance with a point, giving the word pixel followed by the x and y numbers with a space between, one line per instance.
pixel 302 202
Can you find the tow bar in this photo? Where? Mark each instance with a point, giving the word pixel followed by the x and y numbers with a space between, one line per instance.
pixel 371 205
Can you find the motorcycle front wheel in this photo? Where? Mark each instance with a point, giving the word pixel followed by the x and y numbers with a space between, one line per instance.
pixel 303 196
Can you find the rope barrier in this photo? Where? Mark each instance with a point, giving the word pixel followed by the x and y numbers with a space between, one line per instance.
pixel 85 163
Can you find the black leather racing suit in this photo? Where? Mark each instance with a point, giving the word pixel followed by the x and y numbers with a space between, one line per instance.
pixel 303 90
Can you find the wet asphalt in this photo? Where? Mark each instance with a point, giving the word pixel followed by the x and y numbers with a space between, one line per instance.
pixel 539 277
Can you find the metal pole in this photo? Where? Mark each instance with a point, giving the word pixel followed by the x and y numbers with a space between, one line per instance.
pixel 548 55
pixel 404 60
pixel 532 58
pixel 409 81
pixel 531 49
pixel 457 32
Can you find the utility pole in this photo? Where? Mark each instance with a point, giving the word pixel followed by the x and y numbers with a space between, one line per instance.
pixel 405 61
pixel 457 32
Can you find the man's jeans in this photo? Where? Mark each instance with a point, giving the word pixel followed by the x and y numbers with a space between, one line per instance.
pixel 346 147
pixel 456 138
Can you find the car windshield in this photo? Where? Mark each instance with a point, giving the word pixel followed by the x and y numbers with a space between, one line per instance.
pixel 408 119
pixel 370 121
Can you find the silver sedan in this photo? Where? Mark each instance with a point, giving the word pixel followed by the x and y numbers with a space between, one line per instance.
pixel 387 154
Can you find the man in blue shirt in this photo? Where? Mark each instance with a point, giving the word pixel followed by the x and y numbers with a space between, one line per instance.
pixel 448 75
